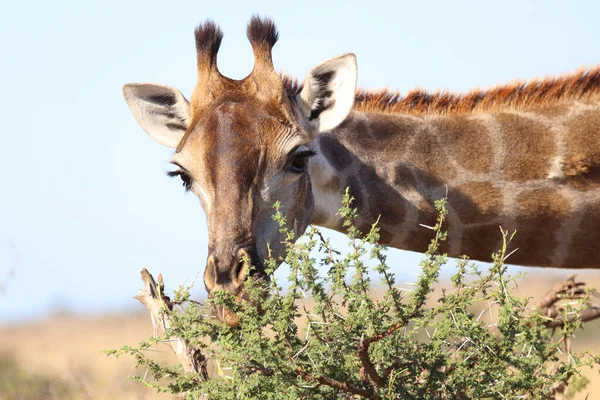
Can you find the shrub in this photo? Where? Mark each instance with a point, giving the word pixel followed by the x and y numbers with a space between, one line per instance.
pixel 358 343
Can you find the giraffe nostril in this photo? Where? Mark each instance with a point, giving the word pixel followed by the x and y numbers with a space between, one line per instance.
pixel 241 269
pixel 210 273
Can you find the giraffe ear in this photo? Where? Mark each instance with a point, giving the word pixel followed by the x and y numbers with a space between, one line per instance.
pixel 162 111
pixel 328 93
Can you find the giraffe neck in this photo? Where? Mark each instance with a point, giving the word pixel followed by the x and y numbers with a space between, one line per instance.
pixel 536 171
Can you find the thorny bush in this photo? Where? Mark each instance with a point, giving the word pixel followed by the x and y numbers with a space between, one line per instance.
pixel 351 341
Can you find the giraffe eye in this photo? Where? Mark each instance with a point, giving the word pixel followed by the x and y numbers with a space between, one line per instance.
pixel 300 161
pixel 185 178
pixel 187 181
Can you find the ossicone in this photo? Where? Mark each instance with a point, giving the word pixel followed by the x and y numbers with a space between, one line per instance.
pixel 263 35
pixel 262 32
pixel 208 40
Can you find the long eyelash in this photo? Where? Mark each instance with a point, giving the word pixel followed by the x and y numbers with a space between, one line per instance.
pixel 180 173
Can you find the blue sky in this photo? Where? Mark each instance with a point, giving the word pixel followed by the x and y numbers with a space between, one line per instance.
pixel 85 202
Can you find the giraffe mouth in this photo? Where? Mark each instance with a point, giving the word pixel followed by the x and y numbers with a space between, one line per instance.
pixel 226 316
pixel 242 298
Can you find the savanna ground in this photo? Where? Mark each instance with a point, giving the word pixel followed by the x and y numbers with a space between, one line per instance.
pixel 61 356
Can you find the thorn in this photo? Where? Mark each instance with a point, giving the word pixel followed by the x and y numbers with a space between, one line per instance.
pixel 427 226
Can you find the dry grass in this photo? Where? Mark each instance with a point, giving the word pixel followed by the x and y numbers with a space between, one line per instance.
pixel 68 350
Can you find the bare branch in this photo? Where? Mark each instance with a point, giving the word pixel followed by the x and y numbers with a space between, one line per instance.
pixel 363 355
pixel 160 306
pixel 345 386
pixel 585 315
pixel 567 290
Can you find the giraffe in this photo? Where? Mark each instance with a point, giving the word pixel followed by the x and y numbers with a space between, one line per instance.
pixel 523 156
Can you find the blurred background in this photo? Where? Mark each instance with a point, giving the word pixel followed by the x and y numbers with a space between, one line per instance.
pixel 85 201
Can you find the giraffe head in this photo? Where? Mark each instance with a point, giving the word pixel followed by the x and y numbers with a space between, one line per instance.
pixel 241 145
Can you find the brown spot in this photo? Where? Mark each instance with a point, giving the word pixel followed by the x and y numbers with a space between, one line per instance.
pixel 390 205
pixel 427 212
pixel 430 160
pixel 338 156
pixel 358 126
pixel 385 236
pixel 468 140
pixel 384 135
pixel 391 135
pixel 480 242
pixel 582 158
pixel 590 180
pixel 529 148
pixel 476 201
pixel 418 240
pixel 354 190
pixel 579 165
pixel 318 218
pixel 403 176
pixel 384 126
pixel 541 213
pixel 363 226
pixel 444 247
pixel 392 208
pixel 584 251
